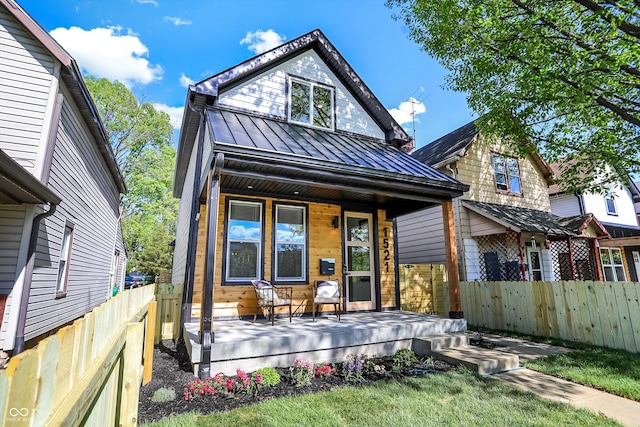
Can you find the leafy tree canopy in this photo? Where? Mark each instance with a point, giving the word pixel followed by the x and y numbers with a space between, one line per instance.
pixel 141 140
pixel 560 77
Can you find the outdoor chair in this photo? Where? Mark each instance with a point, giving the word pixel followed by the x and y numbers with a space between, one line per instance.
pixel 327 292
pixel 269 297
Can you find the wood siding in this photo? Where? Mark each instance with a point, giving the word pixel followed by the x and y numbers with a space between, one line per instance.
pixel 90 202
pixel 27 73
pixel 565 205
pixel 231 301
pixel 421 237
pixel 266 94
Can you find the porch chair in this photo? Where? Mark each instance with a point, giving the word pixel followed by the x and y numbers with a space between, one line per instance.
pixel 327 292
pixel 269 297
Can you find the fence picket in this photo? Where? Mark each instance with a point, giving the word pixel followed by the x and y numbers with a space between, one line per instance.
pixel 585 318
pixel 48 353
pixel 603 315
pixel 561 310
pixel 592 301
pixel 622 308
pixel 632 294
pixel 614 318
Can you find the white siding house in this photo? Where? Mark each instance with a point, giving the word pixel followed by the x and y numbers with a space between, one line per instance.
pixel 61 248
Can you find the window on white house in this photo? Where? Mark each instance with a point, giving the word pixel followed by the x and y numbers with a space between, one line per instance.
pixel 612 265
pixel 290 241
pixel 311 104
pixel 244 241
pixel 507 173
pixel 610 201
pixel 63 264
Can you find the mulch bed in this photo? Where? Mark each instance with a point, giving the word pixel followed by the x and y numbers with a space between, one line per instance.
pixel 172 369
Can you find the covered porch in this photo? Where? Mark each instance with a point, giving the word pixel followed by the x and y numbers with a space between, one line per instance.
pixel 241 344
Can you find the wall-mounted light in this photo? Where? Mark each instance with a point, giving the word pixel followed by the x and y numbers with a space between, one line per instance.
pixel 533 241
pixel 547 244
pixel 336 221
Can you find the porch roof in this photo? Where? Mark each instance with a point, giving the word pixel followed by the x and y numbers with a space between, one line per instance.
pixel 272 156
pixel 19 186
pixel 521 219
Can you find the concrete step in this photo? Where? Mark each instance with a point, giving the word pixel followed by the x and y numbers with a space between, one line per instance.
pixel 481 360
pixel 425 346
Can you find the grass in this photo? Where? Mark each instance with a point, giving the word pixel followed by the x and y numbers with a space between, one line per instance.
pixel 610 370
pixel 460 398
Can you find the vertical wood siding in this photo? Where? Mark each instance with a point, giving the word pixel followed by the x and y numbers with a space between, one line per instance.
pixel 90 201
pixel 266 94
pixel 26 71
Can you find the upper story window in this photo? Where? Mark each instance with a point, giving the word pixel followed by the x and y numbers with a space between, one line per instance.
pixel 310 103
pixel 507 174
pixel 63 264
pixel 244 241
pixel 290 243
pixel 609 200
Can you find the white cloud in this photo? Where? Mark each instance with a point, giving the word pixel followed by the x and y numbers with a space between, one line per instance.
pixel 186 81
pixel 176 21
pixel 262 41
pixel 107 52
pixel 153 2
pixel 175 113
pixel 406 110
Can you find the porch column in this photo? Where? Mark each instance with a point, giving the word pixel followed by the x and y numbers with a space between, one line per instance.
pixel 455 306
pixel 596 260
pixel 571 264
pixel 523 271
pixel 207 336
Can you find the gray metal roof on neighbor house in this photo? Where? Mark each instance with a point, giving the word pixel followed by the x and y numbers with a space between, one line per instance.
pixel 448 148
pixel 521 219
pixel 17 185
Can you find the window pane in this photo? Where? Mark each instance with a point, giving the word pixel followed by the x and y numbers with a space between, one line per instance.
pixel 359 289
pixel 498 164
pixel 617 256
pixel 359 259
pixel 322 112
pixel 289 262
pixel 244 222
pixel 606 258
pixel 611 205
pixel 514 185
pixel 243 260
pixel 290 224
pixel 608 274
pixel 620 274
pixel 357 229
pixel 512 167
pixel 300 99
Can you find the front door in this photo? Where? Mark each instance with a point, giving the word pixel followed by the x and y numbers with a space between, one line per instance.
pixel 636 262
pixel 535 264
pixel 359 263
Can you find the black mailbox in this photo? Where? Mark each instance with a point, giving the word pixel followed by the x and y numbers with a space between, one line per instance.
pixel 327 266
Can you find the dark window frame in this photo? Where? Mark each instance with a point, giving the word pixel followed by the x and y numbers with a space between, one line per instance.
pixel 305 278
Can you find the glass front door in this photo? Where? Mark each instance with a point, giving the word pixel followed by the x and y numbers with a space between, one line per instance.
pixel 535 264
pixel 359 262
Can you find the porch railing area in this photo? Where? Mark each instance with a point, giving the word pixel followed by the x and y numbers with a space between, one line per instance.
pixel 601 313
pixel 89 373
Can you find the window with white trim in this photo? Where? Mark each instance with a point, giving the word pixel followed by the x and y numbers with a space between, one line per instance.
pixel 612 265
pixel 290 243
pixel 506 173
pixel 610 202
pixel 63 264
pixel 310 103
pixel 244 241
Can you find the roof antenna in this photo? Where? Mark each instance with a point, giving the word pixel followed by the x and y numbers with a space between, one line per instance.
pixel 414 101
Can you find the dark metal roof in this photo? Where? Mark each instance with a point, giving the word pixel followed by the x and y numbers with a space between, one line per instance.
pixel 616 230
pixel 205 92
pixel 449 147
pixel 521 219
pixel 19 186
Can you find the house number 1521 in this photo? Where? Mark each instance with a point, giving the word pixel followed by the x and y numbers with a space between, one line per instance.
pixel 387 253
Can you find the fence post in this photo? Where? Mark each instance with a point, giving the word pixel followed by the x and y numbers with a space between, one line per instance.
pixel 131 375
pixel 149 334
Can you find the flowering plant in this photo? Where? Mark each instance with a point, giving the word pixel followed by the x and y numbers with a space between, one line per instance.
pixel 353 367
pixel 302 372
pixel 322 370
pixel 222 385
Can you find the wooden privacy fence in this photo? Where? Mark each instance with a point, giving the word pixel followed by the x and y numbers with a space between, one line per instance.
pixel 601 313
pixel 88 373
pixel 421 288
pixel 169 298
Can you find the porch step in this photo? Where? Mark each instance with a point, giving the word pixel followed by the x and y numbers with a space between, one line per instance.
pixel 455 349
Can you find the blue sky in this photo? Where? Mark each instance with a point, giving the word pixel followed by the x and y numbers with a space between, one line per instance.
pixel 157 47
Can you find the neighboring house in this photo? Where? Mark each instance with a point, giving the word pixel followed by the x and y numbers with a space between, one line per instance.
pixel 620 254
pixel 504 225
pixel 61 249
pixel 286 160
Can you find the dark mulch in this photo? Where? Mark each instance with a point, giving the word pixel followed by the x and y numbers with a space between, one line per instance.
pixel 172 369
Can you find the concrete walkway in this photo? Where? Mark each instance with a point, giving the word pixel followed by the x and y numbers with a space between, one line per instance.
pixel 625 411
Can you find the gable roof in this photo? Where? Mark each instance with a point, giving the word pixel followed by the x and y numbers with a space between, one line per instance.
pixel 72 77
pixel 579 223
pixel 454 145
pixel 205 92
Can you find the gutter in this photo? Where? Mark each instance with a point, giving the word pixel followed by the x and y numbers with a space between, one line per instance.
pixel 18 346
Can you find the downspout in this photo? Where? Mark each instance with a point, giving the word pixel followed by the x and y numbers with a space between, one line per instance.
pixel 187 294
pixel 207 336
pixel 18 346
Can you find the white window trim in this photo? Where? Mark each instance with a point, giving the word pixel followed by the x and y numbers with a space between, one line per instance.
pixel 610 196
pixel 311 84
pixel 63 261
pixel 303 244
pixel 238 280
pixel 613 265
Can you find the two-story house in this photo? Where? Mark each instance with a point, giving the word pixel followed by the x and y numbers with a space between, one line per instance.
pixel 504 225
pixel 619 256
pixel 61 250
pixel 284 160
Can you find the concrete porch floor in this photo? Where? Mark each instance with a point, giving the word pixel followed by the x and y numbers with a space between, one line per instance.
pixel 241 344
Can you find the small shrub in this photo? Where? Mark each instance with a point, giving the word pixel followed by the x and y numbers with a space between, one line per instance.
pixel 302 372
pixel 270 377
pixel 402 359
pixel 163 394
pixel 353 368
pixel 322 370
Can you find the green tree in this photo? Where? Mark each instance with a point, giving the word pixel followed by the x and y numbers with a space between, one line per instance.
pixel 560 77
pixel 141 138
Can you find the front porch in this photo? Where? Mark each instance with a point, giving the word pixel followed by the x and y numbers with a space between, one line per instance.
pixel 240 344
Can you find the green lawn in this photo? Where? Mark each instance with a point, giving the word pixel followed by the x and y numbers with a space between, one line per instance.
pixel 456 399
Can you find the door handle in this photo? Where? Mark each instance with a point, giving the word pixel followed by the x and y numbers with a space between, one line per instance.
pixel 344 270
